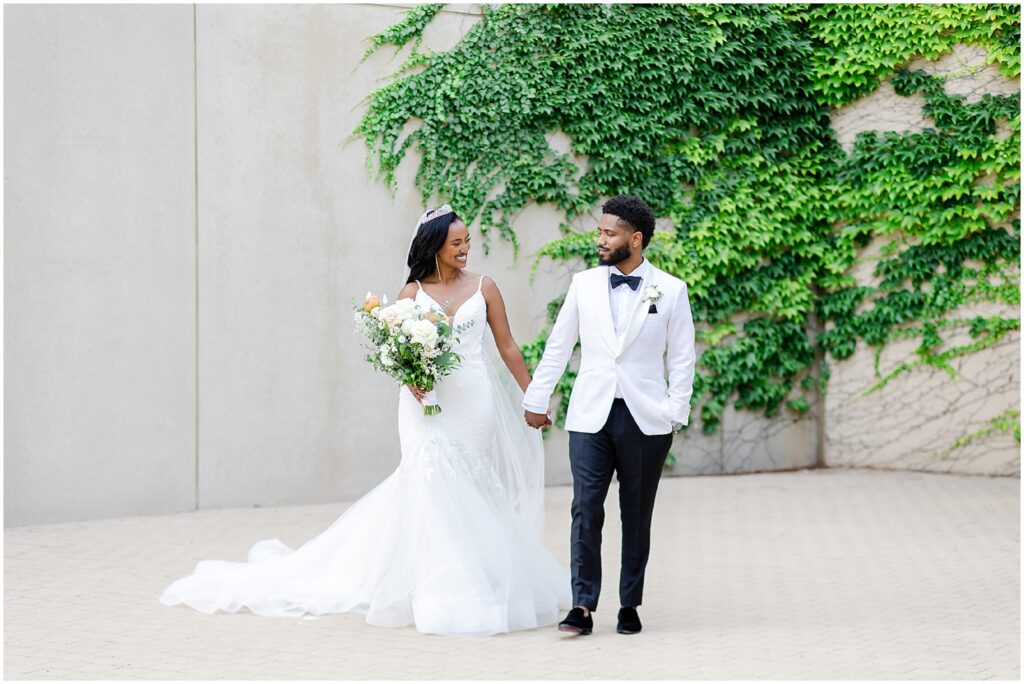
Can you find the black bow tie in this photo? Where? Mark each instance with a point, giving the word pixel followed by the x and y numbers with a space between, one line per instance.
pixel 632 281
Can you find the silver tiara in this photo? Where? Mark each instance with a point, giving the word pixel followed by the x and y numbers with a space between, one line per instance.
pixel 434 213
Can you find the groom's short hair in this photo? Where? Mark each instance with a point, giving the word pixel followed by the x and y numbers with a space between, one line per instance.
pixel 634 211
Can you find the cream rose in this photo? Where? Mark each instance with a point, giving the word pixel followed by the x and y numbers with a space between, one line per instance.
pixel 432 316
pixel 393 315
pixel 389 314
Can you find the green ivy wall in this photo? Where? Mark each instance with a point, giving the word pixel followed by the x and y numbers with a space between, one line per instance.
pixel 839 185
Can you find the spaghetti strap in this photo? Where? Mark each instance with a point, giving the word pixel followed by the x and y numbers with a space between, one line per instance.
pixel 480 284
pixel 418 285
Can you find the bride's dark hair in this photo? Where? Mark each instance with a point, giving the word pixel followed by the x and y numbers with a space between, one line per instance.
pixel 429 239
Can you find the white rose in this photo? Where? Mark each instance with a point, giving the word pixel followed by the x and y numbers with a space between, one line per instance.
pixel 424 333
pixel 385 359
pixel 407 326
pixel 407 308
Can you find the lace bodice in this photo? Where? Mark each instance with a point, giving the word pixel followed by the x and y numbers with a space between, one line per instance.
pixel 471 316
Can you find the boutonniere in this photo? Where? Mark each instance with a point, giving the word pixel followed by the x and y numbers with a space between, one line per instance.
pixel 652 294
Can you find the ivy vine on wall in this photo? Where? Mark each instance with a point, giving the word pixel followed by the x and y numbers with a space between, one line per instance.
pixel 719 117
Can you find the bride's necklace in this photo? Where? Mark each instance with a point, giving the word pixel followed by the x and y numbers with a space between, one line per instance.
pixel 448 302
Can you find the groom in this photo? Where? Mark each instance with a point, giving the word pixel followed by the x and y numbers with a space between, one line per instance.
pixel 635 328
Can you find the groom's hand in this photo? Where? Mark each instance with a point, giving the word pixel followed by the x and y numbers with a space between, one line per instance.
pixel 538 420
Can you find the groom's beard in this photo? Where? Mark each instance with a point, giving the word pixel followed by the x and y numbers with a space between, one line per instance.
pixel 616 257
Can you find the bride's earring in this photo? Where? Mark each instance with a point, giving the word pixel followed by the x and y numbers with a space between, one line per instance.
pixel 438 266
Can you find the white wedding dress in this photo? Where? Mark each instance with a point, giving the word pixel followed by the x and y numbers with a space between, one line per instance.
pixel 449 542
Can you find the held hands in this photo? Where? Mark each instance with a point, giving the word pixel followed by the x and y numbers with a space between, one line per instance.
pixel 538 420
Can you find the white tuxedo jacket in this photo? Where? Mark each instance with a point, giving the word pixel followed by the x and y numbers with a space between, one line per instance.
pixel 655 346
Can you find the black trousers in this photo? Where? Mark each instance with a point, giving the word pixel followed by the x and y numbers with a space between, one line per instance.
pixel 637 459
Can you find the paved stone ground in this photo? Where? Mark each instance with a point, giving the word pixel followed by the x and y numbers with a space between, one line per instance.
pixel 830 574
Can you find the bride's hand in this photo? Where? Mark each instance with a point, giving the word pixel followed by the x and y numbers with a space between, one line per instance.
pixel 417 392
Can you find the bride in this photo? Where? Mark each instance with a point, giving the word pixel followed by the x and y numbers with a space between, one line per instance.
pixel 451 541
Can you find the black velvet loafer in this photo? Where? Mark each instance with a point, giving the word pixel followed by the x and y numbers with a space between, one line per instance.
pixel 577 622
pixel 629 621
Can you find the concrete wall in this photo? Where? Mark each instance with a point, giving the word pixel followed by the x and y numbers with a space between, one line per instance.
pixel 99 261
pixel 187 225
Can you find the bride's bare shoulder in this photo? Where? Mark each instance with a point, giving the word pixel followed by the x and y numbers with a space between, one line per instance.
pixel 489 287
pixel 408 291
pixel 473 278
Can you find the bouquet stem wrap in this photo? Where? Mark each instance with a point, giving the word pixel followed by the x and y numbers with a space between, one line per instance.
pixel 430 405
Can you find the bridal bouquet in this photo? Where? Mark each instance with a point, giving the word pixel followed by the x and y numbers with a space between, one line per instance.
pixel 408 343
